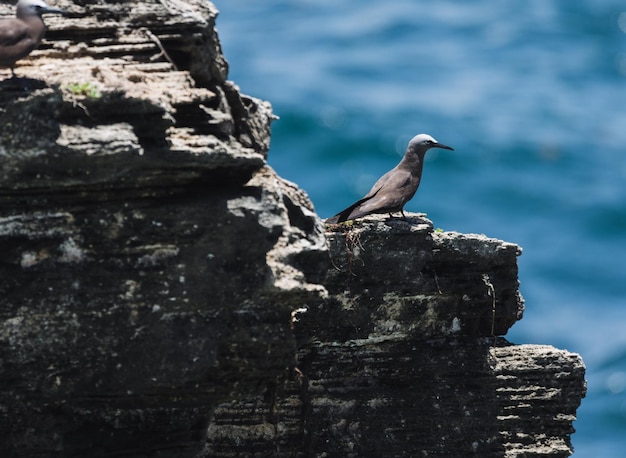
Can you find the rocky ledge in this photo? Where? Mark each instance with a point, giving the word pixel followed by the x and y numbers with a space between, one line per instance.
pixel 404 358
pixel 165 293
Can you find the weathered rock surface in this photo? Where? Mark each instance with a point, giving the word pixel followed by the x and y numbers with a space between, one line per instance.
pixel 137 89
pixel 159 281
pixel 403 358
pixel 150 258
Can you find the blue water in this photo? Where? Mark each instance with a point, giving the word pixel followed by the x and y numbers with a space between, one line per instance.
pixel 532 96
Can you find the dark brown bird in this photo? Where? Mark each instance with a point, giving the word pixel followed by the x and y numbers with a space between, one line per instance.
pixel 20 35
pixel 396 187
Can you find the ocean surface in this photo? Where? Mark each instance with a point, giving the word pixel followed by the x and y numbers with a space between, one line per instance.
pixel 532 96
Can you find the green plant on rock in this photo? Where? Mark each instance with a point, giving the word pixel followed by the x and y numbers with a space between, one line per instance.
pixel 84 89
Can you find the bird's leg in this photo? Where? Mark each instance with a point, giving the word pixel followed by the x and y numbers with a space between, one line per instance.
pixel 403 215
pixel 13 75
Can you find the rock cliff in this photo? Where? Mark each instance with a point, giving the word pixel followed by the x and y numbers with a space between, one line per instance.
pixel 159 280
pixel 403 358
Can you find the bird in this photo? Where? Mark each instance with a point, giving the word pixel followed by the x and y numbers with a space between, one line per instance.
pixel 23 33
pixel 396 187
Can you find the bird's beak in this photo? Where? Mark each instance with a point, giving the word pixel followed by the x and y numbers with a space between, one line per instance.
pixel 442 146
pixel 51 10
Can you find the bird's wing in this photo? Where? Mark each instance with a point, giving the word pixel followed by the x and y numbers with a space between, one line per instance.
pixel 12 32
pixel 16 42
pixel 390 194
pixel 385 196
pixel 395 179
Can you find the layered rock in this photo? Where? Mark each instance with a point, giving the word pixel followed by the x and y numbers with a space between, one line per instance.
pixel 160 281
pixel 404 358
pixel 151 259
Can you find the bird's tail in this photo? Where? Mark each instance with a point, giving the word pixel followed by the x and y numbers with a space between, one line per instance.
pixel 349 213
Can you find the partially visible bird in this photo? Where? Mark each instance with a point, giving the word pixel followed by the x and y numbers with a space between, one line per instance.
pixel 396 187
pixel 20 35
